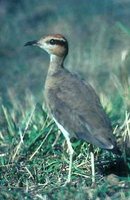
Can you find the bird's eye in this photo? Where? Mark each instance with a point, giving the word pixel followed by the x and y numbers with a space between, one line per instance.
pixel 52 41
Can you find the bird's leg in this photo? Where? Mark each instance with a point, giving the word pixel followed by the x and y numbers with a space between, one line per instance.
pixel 71 151
pixel 92 167
pixel 92 164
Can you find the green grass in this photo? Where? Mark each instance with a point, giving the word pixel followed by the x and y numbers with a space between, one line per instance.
pixel 34 159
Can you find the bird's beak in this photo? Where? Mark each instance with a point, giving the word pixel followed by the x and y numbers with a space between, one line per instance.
pixel 31 43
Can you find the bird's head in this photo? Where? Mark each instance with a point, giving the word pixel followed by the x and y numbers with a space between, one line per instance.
pixel 53 44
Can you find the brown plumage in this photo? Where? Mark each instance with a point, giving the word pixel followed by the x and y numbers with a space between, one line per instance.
pixel 77 108
pixel 73 104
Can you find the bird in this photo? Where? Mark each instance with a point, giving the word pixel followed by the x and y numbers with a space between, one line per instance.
pixel 72 102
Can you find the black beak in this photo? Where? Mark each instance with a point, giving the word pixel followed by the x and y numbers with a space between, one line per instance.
pixel 31 43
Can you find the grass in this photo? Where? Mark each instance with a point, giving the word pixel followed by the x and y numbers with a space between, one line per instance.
pixel 34 159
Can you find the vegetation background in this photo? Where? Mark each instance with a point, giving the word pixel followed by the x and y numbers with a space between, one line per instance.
pixel 33 165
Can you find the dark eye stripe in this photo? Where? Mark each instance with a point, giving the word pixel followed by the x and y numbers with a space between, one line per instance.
pixel 59 42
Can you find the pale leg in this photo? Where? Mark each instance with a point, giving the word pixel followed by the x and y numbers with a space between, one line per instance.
pixel 92 167
pixel 71 151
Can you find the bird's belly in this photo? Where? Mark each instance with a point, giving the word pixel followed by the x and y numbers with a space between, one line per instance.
pixel 62 129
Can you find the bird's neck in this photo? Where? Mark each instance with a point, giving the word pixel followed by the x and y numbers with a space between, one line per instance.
pixel 56 63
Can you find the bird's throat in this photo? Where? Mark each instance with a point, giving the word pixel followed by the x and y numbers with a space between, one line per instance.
pixel 56 63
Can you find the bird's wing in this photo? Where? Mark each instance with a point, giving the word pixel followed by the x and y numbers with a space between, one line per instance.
pixel 77 108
